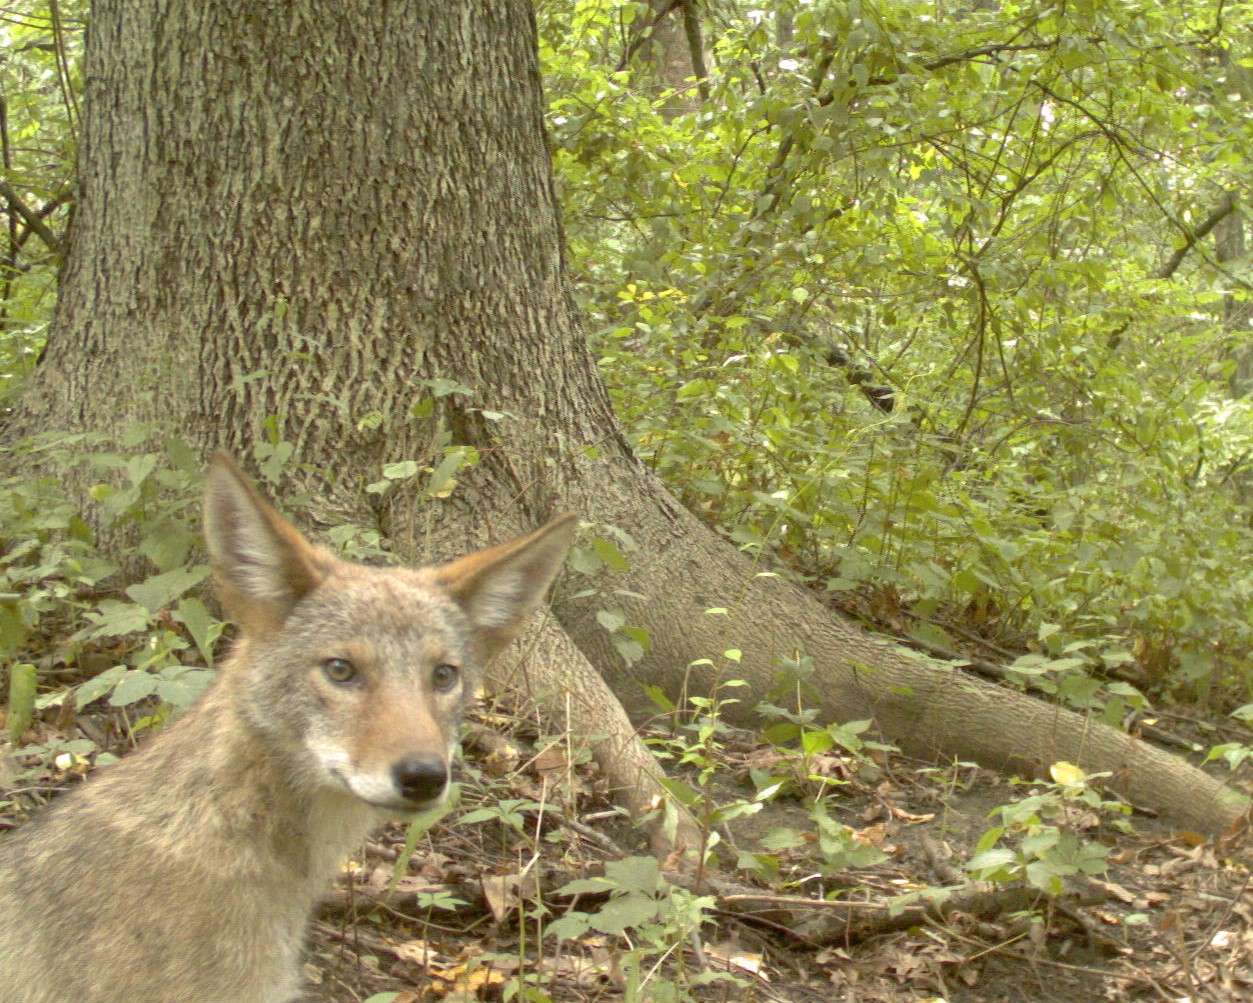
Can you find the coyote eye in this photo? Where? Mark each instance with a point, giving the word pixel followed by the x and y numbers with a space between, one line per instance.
pixel 339 670
pixel 445 676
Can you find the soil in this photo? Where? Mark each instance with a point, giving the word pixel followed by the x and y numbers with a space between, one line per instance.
pixel 1170 918
pixel 791 907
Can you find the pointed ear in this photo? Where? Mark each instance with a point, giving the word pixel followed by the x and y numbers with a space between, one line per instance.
pixel 501 586
pixel 262 566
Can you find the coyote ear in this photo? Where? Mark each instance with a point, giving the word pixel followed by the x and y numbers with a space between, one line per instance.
pixel 499 587
pixel 261 564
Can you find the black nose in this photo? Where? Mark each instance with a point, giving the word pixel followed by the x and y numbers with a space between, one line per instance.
pixel 420 778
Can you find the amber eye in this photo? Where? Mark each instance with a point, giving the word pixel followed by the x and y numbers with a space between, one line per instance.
pixel 339 670
pixel 445 676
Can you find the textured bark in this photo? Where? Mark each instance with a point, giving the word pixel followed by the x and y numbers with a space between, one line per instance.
pixel 293 215
pixel 674 53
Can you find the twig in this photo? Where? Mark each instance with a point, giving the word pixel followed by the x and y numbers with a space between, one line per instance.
pixel 33 220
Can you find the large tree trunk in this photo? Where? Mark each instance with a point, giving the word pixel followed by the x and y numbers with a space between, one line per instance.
pixel 293 216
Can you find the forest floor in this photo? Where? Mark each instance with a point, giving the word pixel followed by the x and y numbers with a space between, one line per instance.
pixel 790 909
pixel 1170 919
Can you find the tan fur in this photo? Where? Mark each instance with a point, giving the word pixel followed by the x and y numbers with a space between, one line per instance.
pixel 188 872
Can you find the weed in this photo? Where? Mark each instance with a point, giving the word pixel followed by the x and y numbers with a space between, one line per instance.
pixel 1043 831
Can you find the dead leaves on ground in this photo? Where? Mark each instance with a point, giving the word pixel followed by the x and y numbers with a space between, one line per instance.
pixel 1172 916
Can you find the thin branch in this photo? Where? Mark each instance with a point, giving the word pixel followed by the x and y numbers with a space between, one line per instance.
pixel 33 220
pixel 645 33
pixel 1226 206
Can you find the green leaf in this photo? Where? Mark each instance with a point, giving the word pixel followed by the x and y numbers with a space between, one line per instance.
pixel 991 860
pixel 571 926
pixel 271 459
pixel 157 592
pixel 98 685
pixel 139 468
pixel 442 387
pixel 585 886
pixel 782 839
pixel 12 626
pixel 635 873
pixel 685 794
pixel 202 627
pixel 624 912
pixel 22 687
pixel 442 482
pixel 628 648
pixel 136 685
pixel 182 685
pixel 113 618
pixel 401 470
pixel 611 619
pixel 167 544
pixel 610 555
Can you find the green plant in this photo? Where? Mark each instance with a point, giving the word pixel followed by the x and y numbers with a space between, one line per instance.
pixel 1044 828
pixel 872 309
pixel 653 919
pixel 1234 754
pixel 695 743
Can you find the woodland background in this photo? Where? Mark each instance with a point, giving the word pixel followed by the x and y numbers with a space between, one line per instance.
pixel 975 342
pixel 940 309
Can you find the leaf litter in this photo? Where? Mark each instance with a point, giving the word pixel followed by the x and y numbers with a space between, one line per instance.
pixel 1171 917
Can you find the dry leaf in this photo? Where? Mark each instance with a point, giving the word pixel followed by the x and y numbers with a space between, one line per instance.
pixel 462 985
pixel 734 956
pixel 504 892
pixel 550 759
pixel 500 762
pixel 419 952
pixel 905 816
pixel 874 835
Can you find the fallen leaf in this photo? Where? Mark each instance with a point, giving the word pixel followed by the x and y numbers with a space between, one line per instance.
pixel 734 956
pixel 419 952
pixel 873 835
pixel 504 892
pixel 550 759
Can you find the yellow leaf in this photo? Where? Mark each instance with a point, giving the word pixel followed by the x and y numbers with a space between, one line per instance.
pixel 1066 773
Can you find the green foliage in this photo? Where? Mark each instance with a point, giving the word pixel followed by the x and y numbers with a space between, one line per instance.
pixel 1044 832
pixel 696 744
pixel 21 704
pixel 39 85
pixel 1234 753
pixel 652 916
pixel 989 213
pixel 996 217
pixel 52 579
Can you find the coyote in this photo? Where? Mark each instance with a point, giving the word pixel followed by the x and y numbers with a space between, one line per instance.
pixel 188 872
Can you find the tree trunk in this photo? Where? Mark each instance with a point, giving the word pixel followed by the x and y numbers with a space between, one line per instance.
pixel 294 217
pixel 674 54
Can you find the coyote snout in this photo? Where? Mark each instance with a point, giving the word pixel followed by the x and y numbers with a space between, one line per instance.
pixel 188 871
pixel 391 736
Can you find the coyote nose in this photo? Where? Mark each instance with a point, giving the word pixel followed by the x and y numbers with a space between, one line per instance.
pixel 420 778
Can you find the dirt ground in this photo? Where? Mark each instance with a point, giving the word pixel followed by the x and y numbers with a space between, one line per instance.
pixel 474 911
pixel 1171 918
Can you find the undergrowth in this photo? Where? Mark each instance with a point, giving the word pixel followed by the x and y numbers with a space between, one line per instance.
pixel 74 643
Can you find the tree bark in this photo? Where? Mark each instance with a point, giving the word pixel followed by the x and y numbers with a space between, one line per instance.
pixel 674 54
pixel 293 217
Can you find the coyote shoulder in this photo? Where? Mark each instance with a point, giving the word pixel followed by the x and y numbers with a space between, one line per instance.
pixel 188 872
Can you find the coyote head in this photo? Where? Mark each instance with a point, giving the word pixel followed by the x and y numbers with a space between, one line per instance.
pixel 354 677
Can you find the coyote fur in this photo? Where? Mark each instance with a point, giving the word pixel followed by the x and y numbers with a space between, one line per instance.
pixel 188 872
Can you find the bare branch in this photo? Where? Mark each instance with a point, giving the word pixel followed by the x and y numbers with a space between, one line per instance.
pixel 33 219
pixel 1226 206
